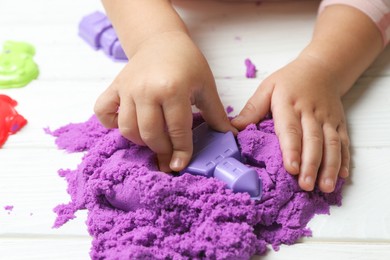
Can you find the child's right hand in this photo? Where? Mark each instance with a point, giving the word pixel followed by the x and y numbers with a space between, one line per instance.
pixel 154 93
pixel 305 100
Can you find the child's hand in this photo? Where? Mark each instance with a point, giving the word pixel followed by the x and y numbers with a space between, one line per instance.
pixel 305 102
pixel 154 93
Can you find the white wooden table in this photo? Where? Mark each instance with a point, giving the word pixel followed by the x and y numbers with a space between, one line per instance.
pixel 72 75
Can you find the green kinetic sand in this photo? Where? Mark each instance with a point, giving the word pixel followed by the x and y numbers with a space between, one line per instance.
pixel 17 67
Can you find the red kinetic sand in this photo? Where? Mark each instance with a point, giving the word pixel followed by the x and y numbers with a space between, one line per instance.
pixel 10 120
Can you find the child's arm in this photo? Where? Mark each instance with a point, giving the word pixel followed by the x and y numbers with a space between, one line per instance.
pixel 305 96
pixel 166 74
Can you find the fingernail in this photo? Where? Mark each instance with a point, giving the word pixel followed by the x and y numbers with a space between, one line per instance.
pixel 176 164
pixel 295 165
pixel 329 182
pixel 344 172
pixel 308 180
pixel 237 118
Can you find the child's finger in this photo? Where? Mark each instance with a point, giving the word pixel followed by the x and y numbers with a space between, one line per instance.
pixel 256 108
pixel 289 131
pixel 178 117
pixel 106 108
pixel 331 161
pixel 345 155
pixel 127 122
pixel 312 150
pixel 213 112
pixel 152 131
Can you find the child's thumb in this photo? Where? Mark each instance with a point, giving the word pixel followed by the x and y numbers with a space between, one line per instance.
pixel 214 113
pixel 256 108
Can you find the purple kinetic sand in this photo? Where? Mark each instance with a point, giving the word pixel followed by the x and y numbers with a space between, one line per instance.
pixel 250 69
pixel 9 207
pixel 183 217
pixel 229 109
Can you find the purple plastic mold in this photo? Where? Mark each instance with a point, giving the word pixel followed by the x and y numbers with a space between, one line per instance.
pixel 239 177
pixel 98 32
pixel 217 155
pixel 107 40
pixel 210 148
pixel 118 52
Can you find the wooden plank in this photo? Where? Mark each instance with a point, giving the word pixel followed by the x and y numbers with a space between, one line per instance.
pixel 45 247
pixel 29 182
pixel 331 250
pixel 75 247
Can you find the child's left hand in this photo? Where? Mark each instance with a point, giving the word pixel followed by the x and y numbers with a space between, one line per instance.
pixel 305 100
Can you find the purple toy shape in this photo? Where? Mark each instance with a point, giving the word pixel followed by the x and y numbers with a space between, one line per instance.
pixel 210 148
pixel 107 40
pixel 239 177
pixel 117 51
pixel 98 32
pixel 91 28
pixel 217 155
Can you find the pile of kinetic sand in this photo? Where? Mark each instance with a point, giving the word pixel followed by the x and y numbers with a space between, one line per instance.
pixel 183 217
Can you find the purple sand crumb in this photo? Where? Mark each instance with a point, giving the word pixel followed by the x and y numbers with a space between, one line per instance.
pixel 183 217
pixel 9 207
pixel 250 69
pixel 229 109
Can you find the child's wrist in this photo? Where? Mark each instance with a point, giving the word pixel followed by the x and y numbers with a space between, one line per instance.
pixel 164 36
pixel 330 66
